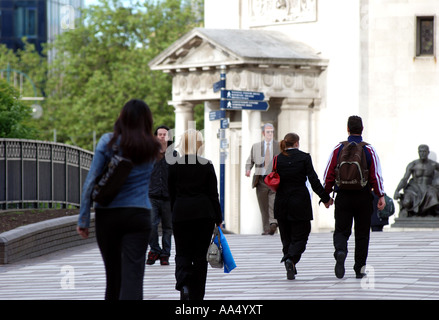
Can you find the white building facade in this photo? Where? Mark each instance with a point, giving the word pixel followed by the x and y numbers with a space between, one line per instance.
pixel 317 62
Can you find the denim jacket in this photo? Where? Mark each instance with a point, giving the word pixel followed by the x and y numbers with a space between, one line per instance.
pixel 134 192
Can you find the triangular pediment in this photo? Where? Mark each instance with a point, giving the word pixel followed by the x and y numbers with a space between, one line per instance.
pixel 205 54
pixel 204 48
pixel 194 50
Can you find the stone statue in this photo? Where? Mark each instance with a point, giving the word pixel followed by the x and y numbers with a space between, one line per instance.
pixel 421 194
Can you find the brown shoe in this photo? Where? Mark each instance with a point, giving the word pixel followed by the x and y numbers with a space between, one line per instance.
pixel 273 228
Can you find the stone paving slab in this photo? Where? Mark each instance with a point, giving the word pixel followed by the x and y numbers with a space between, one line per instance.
pixel 401 266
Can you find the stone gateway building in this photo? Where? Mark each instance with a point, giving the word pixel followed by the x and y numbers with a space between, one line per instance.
pixel 317 62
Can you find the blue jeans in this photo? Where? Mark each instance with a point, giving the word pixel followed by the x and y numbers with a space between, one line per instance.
pixel 161 211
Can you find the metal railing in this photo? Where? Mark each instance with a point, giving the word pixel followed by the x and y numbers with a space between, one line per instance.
pixel 38 174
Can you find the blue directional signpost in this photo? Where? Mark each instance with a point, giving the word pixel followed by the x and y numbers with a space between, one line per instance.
pixel 217 115
pixel 232 100
pixel 244 105
pixel 242 95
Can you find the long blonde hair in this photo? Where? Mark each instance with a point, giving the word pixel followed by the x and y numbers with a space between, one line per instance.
pixel 288 142
pixel 191 142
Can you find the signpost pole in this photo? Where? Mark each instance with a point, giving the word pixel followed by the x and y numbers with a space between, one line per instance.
pixel 232 100
pixel 222 149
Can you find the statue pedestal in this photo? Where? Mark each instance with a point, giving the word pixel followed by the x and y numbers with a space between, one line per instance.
pixel 427 222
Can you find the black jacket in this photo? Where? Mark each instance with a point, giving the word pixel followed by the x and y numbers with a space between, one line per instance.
pixel 158 187
pixel 193 190
pixel 293 201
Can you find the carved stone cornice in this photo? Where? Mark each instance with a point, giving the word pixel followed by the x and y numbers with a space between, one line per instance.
pixel 274 82
pixel 257 60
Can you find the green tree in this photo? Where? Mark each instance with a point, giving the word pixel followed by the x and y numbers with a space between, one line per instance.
pixel 103 63
pixel 15 116
pixel 28 61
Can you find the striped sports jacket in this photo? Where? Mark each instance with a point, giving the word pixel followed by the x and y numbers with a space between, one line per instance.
pixel 373 162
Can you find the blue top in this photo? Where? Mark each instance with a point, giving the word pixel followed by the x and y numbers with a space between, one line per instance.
pixel 134 192
pixel 359 139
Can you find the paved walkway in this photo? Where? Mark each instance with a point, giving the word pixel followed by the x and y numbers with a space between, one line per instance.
pixel 401 265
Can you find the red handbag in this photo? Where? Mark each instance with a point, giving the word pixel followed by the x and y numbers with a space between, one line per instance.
pixel 272 180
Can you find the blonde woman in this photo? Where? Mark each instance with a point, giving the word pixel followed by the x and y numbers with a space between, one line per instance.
pixel 195 211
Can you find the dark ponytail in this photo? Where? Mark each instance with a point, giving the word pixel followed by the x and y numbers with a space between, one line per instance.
pixel 288 142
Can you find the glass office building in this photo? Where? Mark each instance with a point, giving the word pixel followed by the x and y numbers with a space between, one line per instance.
pixel 37 20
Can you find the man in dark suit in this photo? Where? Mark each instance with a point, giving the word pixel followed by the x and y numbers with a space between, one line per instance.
pixel 261 157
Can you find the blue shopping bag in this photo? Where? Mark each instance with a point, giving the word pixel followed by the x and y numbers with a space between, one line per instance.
pixel 229 262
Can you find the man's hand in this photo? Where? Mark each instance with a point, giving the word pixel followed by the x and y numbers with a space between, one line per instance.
pixel 83 232
pixel 329 203
pixel 381 203
pixel 247 173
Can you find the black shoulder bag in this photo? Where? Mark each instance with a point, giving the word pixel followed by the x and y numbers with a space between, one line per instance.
pixel 109 183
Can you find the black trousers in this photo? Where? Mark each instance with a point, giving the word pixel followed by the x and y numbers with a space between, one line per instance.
pixel 122 235
pixel 353 206
pixel 192 239
pixel 294 236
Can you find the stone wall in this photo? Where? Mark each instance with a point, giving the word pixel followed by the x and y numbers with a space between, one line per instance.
pixel 41 238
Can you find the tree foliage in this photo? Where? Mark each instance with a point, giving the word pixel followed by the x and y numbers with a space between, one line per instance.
pixel 23 74
pixel 103 63
pixel 14 114
pixel 29 62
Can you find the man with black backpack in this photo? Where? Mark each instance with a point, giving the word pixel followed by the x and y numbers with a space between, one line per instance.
pixel 353 170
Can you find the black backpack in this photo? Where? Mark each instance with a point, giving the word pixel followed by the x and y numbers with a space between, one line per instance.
pixel 351 172
pixel 388 210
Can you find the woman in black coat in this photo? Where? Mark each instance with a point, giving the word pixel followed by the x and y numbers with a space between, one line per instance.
pixel 196 209
pixel 292 205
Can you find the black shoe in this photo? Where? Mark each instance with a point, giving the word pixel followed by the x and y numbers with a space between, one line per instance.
pixel 360 274
pixel 340 257
pixel 273 228
pixel 164 260
pixel 291 269
pixel 184 293
pixel 152 257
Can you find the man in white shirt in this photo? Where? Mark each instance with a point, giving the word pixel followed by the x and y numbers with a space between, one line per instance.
pixel 261 157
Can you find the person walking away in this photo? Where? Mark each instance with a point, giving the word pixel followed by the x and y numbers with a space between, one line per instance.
pixel 292 205
pixel 161 205
pixel 354 200
pixel 261 156
pixel 123 227
pixel 196 209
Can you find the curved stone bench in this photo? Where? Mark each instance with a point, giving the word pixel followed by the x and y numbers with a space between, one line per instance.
pixel 41 238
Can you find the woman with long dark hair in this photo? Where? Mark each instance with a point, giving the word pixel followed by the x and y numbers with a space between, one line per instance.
pixel 123 226
pixel 292 205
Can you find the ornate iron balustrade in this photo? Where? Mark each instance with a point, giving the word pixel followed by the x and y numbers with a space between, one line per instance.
pixel 35 174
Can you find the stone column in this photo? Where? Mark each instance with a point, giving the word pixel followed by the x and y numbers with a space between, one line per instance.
pixel 251 221
pixel 184 118
pixel 211 148
pixel 296 116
